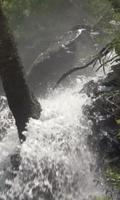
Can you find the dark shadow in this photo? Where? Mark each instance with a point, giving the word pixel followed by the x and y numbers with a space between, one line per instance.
pixel 21 101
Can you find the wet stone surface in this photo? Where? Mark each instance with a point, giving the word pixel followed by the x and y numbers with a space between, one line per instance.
pixel 105 140
pixel 104 113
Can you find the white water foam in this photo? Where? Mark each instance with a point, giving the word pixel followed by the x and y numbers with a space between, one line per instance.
pixel 56 161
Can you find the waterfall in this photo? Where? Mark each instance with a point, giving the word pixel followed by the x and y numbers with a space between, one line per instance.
pixel 56 162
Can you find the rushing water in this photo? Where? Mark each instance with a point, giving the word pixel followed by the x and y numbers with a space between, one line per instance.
pixel 56 162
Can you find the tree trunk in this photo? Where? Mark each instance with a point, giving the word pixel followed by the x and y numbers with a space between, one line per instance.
pixel 20 100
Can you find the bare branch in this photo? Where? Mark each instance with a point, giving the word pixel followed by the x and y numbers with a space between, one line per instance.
pixel 97 58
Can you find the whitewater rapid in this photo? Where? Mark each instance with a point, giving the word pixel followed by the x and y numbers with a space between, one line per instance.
pixel 56 162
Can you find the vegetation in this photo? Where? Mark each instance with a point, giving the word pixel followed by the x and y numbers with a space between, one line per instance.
pixel 17 11
pixel 113 176
pixel 22 10
pixel 106 55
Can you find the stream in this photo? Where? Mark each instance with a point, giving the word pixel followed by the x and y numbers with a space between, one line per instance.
pixel 56 162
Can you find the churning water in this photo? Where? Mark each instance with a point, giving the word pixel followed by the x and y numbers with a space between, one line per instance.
pixel 56 163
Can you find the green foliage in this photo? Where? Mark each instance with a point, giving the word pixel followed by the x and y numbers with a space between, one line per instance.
pixel 98 7
pixel 21 12
pixel 113 176
pixel 115 4
pixel 116 44
pixel 17 11
pixel 28 12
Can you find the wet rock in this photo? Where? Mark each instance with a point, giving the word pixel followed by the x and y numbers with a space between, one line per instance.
pixel 103 113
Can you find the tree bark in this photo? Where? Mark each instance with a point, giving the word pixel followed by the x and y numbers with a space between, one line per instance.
pixel 21 101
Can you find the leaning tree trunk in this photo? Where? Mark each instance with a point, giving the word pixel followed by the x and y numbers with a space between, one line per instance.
pixel 20 100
